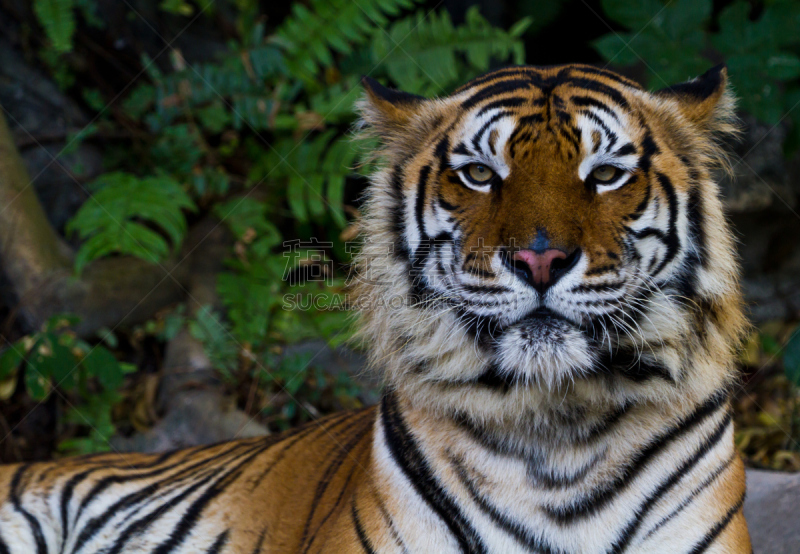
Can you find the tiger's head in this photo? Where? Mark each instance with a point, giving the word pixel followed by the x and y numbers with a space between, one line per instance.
pixel 550 232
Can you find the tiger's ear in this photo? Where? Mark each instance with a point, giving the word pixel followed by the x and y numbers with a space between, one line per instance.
pixel 388 110
pixel 705 100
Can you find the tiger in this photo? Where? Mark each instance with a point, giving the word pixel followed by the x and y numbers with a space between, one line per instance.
pixel 549 287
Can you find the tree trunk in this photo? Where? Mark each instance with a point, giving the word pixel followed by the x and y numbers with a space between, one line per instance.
pixel 37 264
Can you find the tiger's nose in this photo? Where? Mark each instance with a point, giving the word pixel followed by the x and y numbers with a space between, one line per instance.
pixel 542 269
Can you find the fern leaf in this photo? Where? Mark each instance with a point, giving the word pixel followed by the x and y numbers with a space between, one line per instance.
pixel 436 55
pixel 58 19
pixel 246 215
pixel 309 36
pixel 295 194
pixel 122 215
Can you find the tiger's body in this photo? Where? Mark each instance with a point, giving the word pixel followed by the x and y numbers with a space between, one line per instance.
pixel 559 364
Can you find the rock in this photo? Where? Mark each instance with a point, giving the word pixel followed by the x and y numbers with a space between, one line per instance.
pixel 194 418
pixel 770 257
pixel 196 411
pixel 761 175
pixel 340 360
pixel 771 510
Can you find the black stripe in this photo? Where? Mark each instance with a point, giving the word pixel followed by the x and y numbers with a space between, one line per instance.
pixel 139 526
pixel 568 134
pixel 573 431
pixel 260 542
pixel 706 541
pixel 593 502
pixel 612 136
pixel 398 214
pixel 325 480
pixel 494 379
pixel 484 289
pixel 550 480
pixel 694 494
pixel 530 119
pixel 621 79
pixel 519 135
pixel 600 88
pixel 649 149
pixel 630 364
pixel 670 240
pixel 220 543
pixel 66 496
pixel 599 287
pixel 290 438
pixel 712 440
pixel 33 523
pixel 588 101
pixel 69 487
pixel 447 205
pixel 499 87
pixel 637 213
pixel 3 546
pixel 476 140
pixel 195 510
pixel 334 508
pixel 461 148
pixel 696 216
pixel 600 270
pixel 513 102
pixel 521 534
pixel 422 183
pixel 146 492
pixel 647 232
pixel 517 71
pixel 412 462
pixel 441 153
pixel 366 544
pixel 625 150
pixel 389 522
pixel 608 422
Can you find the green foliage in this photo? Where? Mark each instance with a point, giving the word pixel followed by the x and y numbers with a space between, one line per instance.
pixel 679 39
pixel 310 37
pixel 211 329
pixel 177 7
pixel 87 379
pixel 113 219
pixel 426 54
pixel 315 172
pixel 58 19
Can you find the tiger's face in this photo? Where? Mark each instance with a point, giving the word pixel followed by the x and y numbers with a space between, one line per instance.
pixel 555 215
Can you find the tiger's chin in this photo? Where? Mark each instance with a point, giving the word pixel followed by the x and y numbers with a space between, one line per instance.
pixel 543 350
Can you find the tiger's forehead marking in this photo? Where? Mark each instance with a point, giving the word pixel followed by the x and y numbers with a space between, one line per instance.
pixel 505 110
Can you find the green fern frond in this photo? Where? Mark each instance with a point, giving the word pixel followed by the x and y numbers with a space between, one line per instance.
pixel 315 171
pixel 58 19
pixel 310 36
pixel 120 218
pixel 427 54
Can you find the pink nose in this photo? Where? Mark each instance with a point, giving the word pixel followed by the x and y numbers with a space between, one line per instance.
pixel 540 264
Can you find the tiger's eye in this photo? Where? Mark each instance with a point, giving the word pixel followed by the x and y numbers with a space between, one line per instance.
pixel 605 173
pixel 479 173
